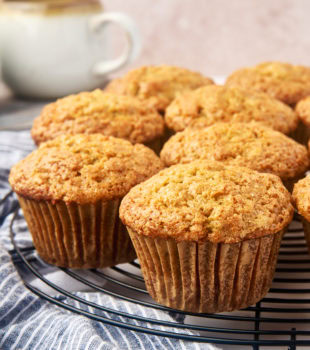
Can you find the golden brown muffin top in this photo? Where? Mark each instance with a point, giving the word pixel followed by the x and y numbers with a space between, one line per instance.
pixel 250 145
pixel 98 112
pixel 211 104
pixel 301 197
pixel 303 110
pixel 83 169
pixel 283 81
pixel 206 201
pixel 158 85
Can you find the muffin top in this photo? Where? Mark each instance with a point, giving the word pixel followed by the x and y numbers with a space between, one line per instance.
pixel 206 201
pixel 158 85
pixel 211 104
pixel 283 81
pixel 303 110
pixel 301 197
pixel 98 112
pixel 250 145
pixel 83 168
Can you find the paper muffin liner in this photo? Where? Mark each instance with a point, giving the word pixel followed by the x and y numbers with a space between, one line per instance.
pixel 157 144
pixel 207 277
pixel 306 226
pixel 289 183
pixel 168 133
pixel 78 235
pixel 301 134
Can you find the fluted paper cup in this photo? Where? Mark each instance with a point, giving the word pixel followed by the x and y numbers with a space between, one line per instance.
pixel 78 235
pixel 207 277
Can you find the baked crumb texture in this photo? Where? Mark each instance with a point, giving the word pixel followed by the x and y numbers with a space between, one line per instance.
pixel 83 169
pixel 211 104
pixel 99 112
pixel 249 145
pixel 205 201
pixel 282 81
pixel 157 85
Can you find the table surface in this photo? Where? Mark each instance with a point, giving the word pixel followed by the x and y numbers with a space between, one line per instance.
pixel 17 113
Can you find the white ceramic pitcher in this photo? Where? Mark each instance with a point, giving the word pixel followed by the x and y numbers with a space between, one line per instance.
pixel 54 48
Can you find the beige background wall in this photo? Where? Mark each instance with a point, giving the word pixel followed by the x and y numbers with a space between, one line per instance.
pixel 215 36
pixel 218 36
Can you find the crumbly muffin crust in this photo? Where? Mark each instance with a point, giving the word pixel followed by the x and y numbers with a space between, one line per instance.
pixel 210 104
pixel 98 112
pixel 283 81
pixel 250 145
pixel 158 85
pixel 301 197
pixel 83 169
pixel 206 201
pixel 303 110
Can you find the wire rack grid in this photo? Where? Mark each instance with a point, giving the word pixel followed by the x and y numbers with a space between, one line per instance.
pixel 281 319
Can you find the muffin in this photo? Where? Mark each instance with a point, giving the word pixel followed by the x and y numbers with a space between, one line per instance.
pixel 301 197
pixel 250 145
pixel 99 112
pixel 157 85
pixel 283 81
pixel 70 189
pixel 207 236
pixel 211 104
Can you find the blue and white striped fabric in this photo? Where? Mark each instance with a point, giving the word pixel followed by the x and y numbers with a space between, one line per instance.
pixel 29 322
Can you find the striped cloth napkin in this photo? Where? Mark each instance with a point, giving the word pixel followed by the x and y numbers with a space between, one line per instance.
pixel 30 322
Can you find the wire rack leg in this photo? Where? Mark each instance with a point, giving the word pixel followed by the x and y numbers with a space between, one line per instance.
pixel 293 339
pixel 257 316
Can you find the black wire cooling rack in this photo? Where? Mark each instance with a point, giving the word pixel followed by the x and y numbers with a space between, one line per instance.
pixel 281 319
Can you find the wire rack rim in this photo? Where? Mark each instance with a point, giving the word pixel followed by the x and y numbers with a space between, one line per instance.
pixel 199 338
